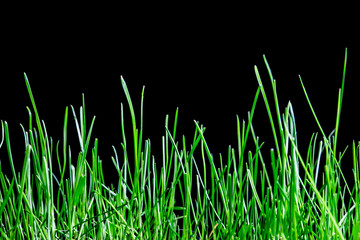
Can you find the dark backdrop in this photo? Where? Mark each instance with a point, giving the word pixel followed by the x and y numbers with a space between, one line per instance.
pixel 198 58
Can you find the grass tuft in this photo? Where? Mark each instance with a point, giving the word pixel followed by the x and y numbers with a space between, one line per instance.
pixel 182 194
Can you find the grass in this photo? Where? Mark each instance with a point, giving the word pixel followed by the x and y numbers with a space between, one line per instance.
pixel 182 194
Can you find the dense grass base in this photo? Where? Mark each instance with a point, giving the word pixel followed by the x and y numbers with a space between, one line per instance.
pixel 182 194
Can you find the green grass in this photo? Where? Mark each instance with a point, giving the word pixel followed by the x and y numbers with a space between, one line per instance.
pixel 183 193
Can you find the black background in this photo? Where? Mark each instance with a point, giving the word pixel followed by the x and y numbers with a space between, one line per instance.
pixel 198 58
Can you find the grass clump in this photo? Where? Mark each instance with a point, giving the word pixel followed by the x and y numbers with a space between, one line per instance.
pixel 183 194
